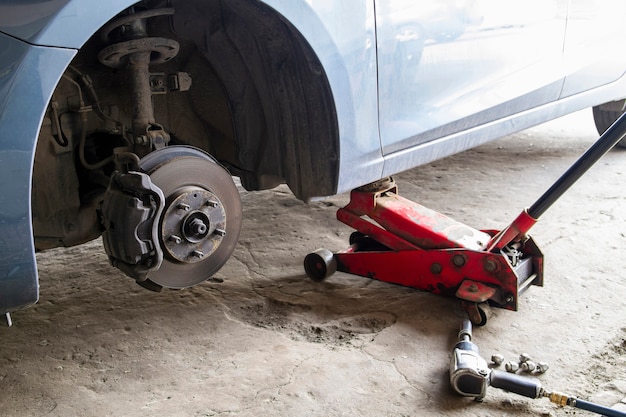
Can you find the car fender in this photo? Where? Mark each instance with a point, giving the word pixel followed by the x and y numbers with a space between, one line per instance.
pixel 343 36
pixel 23 99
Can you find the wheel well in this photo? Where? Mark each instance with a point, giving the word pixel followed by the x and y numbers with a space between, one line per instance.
pixel 258 101
pixel 282 109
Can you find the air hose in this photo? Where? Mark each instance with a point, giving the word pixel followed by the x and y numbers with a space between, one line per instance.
pixel 563 400
pixel 531 388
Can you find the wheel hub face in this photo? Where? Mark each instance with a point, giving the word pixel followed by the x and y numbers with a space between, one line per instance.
pixel 200 224
pixel 194 225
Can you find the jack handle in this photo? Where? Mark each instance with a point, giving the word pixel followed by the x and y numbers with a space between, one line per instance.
pixel 522 224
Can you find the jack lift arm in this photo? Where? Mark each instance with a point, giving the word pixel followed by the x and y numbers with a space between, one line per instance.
pixel 401 242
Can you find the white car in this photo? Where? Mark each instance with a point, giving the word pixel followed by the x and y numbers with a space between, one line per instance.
pixel 128 120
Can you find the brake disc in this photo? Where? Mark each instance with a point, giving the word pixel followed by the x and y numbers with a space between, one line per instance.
pixel 200 223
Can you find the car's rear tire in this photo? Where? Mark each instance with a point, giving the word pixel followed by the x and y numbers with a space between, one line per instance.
pixel 604 119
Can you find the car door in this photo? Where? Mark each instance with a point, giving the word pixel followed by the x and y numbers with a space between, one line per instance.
pixel 593 44
pixel 449 65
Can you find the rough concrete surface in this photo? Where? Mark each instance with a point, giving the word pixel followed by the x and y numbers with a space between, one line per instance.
pixel 261 339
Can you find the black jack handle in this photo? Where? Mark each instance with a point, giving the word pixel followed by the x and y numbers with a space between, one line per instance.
pixel 520 226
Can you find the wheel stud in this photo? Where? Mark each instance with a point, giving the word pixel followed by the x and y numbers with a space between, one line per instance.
pixel 183 206
pixel 175 239
pixel 220 232
pixel 197 253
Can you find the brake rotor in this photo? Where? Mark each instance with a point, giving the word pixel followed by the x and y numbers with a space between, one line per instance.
pixel 200 224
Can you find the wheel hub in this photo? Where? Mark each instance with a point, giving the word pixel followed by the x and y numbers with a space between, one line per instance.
pixel 175 223
pixel 194 225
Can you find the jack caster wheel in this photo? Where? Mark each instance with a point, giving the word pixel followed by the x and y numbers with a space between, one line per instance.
pixel 478 313
pixel 320 264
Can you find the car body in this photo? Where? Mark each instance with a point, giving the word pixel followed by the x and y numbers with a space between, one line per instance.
pixel 121 119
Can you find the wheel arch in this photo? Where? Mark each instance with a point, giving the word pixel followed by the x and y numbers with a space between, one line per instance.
pixel 282 106
pixel 284 116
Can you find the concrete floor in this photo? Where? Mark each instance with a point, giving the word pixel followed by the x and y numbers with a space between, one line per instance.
pixel 262 339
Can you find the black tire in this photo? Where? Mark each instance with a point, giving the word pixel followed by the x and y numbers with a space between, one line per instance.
pixel 604 119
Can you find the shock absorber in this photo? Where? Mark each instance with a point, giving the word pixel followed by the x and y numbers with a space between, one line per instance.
pixel 131 48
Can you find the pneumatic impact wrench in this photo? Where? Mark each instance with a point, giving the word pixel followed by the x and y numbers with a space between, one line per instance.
pixel 470 376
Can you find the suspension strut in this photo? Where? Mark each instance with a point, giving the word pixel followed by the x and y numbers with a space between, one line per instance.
pixel 133 204
pixel 131 48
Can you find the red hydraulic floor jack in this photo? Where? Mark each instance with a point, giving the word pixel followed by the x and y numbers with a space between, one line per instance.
pixel 402 242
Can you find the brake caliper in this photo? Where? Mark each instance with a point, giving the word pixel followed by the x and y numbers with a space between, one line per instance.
pixel 132 203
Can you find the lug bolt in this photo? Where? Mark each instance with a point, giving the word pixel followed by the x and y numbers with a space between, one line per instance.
pixel 541 367
pixel 524 357
pixel 528 366
pixel 497 359
pixel 511 367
